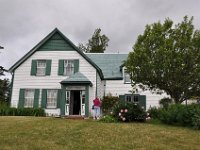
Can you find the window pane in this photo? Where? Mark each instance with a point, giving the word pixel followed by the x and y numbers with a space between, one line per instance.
pixel 126 77
pixel 29 98
pixel 128 98
pixel 51 98
pixel 68 67
pixel 41 67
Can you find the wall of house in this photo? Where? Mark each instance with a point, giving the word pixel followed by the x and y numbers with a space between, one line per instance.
pixel 23 79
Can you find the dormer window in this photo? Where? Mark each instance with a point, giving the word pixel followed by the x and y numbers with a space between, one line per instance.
pixel 127 78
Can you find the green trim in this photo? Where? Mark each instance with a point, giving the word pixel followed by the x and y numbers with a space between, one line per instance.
pixel 34 49
pixel 48 67
pixel 44 98
pixel 76 82
pixel 114 78
pixel 122 98
pixel 142 101
pixel 59 96
pixel 61 67
pixel 34 67
pixel 36 98
pixel 11 88
pixel 76 65
pixel 21 98
pixel 87 101
pixel 62 102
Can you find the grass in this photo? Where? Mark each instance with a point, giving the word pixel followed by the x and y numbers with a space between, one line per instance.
pixel 37 133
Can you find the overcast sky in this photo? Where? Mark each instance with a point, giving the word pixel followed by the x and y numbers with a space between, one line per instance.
pixel 23 23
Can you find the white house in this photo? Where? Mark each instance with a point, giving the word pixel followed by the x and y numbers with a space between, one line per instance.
pixel 57 76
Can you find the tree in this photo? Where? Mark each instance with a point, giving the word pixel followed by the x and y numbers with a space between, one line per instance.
pixel 97 44
pixel 167 57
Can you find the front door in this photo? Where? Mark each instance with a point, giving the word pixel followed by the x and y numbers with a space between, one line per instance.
pixel 75 102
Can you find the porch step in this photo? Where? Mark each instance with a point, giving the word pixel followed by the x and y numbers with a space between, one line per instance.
pixel 74 117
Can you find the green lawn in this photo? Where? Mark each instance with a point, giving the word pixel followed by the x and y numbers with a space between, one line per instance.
pixel 34 133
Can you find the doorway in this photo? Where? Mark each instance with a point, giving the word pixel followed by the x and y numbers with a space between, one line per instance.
pixel 75 103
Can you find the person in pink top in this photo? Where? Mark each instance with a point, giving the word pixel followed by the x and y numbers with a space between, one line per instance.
pixel 97 105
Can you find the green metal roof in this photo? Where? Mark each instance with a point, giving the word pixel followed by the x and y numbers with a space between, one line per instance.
pixel 110 64
pixel 77 78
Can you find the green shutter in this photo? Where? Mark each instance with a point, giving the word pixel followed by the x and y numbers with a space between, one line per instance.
pixel 87 101
pixel 62 102
pixel 34 67
pixel 21 98
pixel 142 101
pixel 61 67
pixel 44 98
pixel 36 98
pixel 76 65
pixel 48 67
pixel 122 98
pixel 58 98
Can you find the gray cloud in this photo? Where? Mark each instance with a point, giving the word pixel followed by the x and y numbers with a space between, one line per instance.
pixel 24 23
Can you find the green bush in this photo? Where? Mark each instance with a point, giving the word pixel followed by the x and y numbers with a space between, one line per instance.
pixel 8 111
pixel 178 114
pixel 165 102
pixel 108 119
pixel 129 112
pixel 108 102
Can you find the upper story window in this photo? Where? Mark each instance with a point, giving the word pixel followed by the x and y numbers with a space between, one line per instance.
pixel 127 78
pixel 51 98
pixel 41 67
pixel 29 98
pixel 68 67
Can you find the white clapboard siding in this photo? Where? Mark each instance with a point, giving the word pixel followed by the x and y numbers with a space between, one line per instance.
pixel 23 79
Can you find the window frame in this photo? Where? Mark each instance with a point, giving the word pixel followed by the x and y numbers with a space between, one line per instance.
pixel 39 67
pixel 29 99
pixel 132 98
pixel 51 102
pixel 125 76
pixel 69 67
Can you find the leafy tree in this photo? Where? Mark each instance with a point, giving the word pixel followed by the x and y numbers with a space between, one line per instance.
pixel 167 57
pixel 97 44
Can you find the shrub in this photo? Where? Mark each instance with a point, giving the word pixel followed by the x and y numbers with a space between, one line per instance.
pixel 8 111
pixel 108 103
pixel 165 102
pixel 129 112
pixel 108 119
pixel 178 114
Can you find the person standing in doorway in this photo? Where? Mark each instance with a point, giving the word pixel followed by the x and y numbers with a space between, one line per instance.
pixel 97 104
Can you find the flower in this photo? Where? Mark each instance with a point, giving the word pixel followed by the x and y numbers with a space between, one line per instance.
pixel 123 119
pixel 120 114
pixel 111 112
pixel 122 110
pixel 125 110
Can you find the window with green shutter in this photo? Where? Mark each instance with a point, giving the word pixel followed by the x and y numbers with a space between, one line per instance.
pixel 41 67
pixel 68 67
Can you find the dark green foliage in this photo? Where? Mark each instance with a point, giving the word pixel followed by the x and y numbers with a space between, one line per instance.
pixel 167 57
pixel 129 112
pixel 108 102
pixel 97 44
pixel 4 90
pixel 5 110
pixel 108 119
pixel 177 114
pixel 165 102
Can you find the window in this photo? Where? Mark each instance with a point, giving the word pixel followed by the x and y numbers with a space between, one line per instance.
pixel 41 67
pixel 29 98
pixel 51 98
pixel 132 98
pixel 127 78
pixel 68 67
pixel 128 98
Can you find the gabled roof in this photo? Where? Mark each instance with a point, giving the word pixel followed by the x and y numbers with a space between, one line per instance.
pixel 110 64
pixel 41 43
pixel 77 78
